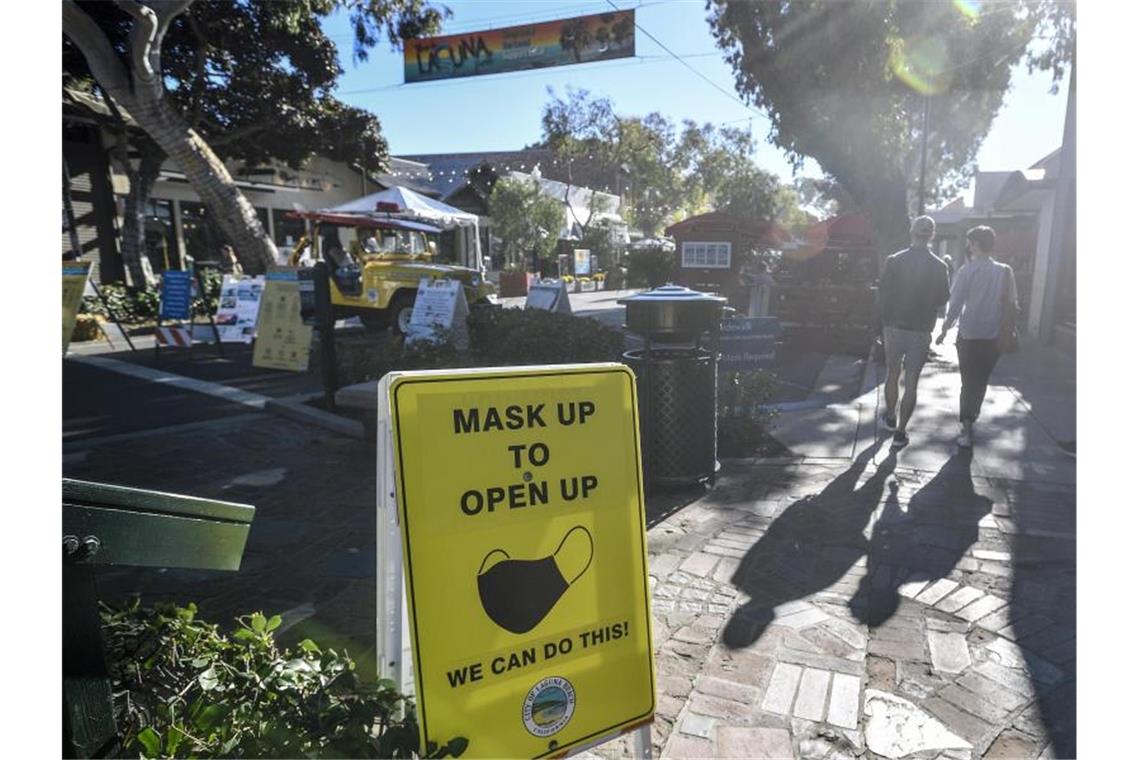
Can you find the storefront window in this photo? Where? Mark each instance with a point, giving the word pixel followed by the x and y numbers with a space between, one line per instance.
pixel 706 255
pixel 161 243
pixel 286 231
pixel 204 240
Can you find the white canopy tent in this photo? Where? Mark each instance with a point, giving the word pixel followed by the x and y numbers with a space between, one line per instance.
pixel 401 203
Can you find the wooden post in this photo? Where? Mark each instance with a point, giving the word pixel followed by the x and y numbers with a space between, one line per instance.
pixel 213 324
pixel 326 323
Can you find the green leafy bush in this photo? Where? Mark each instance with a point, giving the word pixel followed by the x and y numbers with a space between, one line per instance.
pixel 127 305
pixel 531 336
pixel 372 355
pixel 141 304
pixel 743 417
pixel 650 267
pixel 182 689
pixel 499 337
pixel 206 302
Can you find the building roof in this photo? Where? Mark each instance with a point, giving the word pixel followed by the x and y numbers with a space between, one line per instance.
pixel 952 213
pixel 846 232
pixel 1025 191
pixel 1004 193
pixel 713 222
pixel 404 173
pixel 91 106
pixel 1050 163
pixel 987 189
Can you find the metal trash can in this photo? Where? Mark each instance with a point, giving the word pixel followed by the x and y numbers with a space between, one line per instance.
pixel 676 379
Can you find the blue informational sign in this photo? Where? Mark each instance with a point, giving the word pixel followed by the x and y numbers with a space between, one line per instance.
pixel 175 295
pixel 748 343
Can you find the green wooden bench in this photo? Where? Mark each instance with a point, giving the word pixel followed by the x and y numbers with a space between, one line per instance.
pixel 113 525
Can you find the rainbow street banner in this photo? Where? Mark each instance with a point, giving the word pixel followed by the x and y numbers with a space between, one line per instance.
pixel 584 39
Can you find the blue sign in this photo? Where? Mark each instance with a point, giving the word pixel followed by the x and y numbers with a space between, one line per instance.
pixel 748 343
pixel 175 295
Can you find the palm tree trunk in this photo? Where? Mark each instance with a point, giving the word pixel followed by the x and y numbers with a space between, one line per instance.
pixel 134 212
pixel 140 90
pixel 206 173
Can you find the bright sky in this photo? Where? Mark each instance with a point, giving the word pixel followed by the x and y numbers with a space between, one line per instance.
pixel 502 112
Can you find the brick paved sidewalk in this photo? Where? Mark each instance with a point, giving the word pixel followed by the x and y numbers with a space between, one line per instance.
pixel 816 611
pixel 869 604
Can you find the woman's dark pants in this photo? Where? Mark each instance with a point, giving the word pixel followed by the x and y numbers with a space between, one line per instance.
pixel 976 360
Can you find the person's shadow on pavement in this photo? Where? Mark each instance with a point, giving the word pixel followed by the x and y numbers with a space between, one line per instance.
pixel 924 543
pixel 810 546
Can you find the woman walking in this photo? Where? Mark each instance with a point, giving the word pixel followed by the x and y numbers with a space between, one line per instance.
pixel 983 301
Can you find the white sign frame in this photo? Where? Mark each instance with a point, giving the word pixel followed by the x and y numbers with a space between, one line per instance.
pixel 538 297
pixel 441 304
pixel 393 640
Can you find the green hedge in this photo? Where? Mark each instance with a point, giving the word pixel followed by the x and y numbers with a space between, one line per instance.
pixel 183 689
pixel 650 267
pixel 499 337
pixel 743 417
pixel 140 305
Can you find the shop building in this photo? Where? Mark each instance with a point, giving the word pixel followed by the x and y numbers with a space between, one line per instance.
pixel 177 223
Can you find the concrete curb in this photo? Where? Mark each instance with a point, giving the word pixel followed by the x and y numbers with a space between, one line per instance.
pixel 302 412
pixel 291 407
pixel 150 374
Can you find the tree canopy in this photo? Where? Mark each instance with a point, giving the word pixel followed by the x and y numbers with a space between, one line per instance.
pixel 248 81
pixel 845 83
pixel 663 172
pixel 527 220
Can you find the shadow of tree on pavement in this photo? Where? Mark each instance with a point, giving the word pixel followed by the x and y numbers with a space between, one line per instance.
pixel 810 546
pixel 1044 604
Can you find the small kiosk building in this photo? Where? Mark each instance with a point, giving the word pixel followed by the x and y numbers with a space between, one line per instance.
pixel 715 252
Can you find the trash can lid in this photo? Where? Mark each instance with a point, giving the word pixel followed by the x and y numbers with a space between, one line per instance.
pixel 671 292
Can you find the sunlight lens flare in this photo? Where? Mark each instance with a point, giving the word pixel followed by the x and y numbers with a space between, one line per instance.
pixel 923 65
pixel 971 9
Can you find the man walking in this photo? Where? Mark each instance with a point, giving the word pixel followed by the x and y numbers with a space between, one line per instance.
pixel 914 286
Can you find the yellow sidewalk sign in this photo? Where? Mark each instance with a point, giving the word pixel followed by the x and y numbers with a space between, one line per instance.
pixel 74 281
pixel 522 516
pixel 283 339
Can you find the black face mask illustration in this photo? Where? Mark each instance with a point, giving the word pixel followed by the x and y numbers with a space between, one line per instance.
pixel 518 593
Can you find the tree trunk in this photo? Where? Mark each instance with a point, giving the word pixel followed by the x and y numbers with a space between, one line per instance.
pixel 886 210
pixel 206 173
pixel 133 247
pixel 141 92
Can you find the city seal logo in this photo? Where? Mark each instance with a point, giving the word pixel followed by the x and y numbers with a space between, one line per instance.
pixel 548 706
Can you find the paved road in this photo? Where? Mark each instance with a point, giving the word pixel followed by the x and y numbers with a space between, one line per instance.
pixel 97 402
pixel 234 369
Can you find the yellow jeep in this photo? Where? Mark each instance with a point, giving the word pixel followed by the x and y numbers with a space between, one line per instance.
pixel 377 278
